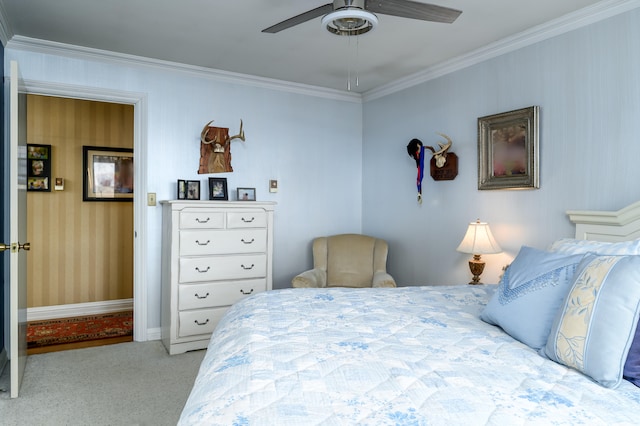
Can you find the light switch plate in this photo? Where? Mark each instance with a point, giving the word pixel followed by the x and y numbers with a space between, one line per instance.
pixel 273 185
pixel 151 199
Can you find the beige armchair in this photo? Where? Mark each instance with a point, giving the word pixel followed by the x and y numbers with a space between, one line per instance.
pixel 347 260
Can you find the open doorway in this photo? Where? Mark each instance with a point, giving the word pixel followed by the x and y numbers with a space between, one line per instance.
pixel 81 265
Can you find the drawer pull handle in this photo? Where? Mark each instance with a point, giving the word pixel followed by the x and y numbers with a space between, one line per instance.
pixel 204 270
pixel 203 221
pixel 243 292
pixel 202 323
pixel 202 244
pixel 248 220
pixel 248 242
pixel 246 268
pixel 202 297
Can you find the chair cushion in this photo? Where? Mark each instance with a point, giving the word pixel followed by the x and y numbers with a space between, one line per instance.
pixel 350 260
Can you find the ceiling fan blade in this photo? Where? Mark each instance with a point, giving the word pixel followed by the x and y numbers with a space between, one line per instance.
pixel 413 10
pixel 299 19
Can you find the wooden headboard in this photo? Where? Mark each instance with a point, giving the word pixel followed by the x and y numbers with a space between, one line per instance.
pixel 621 225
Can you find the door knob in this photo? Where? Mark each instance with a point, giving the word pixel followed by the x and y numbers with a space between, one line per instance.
pixel 15 247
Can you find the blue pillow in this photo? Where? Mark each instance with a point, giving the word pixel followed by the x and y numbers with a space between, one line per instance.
pixel 632 365
pixel 530 293
pixel 595 326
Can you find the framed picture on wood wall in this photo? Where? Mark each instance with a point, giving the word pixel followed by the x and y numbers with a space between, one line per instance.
pixel 108 173
pixel 39 168
pixel 508 150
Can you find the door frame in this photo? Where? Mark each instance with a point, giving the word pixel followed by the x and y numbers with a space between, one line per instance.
pixel 140 104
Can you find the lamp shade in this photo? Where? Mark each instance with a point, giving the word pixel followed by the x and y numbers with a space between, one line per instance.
pixel 479 240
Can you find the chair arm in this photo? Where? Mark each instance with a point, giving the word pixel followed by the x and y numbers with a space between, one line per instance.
pixel 383 279
pixel 311 278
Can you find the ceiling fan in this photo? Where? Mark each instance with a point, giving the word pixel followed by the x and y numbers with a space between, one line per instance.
pixel 354 17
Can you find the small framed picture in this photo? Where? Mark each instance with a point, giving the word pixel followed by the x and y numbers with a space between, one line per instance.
pixel 193 189
pixel 218 189
pixel 59 184
pixel 246 194
pixel 182 189
pixel 38 167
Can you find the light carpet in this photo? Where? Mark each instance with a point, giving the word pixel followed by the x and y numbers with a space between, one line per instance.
pixel 135 383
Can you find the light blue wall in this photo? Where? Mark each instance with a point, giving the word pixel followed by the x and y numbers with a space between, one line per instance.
pixel 311 144
pixel 587 84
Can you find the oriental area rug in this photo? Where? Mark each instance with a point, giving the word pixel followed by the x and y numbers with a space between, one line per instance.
pixel 108 328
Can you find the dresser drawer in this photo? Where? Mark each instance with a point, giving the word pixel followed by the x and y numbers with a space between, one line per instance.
pixel 201 219
pixel 201 321
pixel 209 295
pixel 247 219
pixel 216 268
pixel 195 243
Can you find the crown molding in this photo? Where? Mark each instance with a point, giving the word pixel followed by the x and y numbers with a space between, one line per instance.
pixel 5 29
pixel 84 53
pixel 572 21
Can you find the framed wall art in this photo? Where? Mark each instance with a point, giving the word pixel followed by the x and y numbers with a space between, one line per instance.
pixel 108 173
pixel 39 168
pixel 508 150
pixel 246 194
pixel 218 189
pixel 193 190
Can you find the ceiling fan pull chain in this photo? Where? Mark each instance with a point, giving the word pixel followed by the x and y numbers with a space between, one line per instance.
pixel 348 63
pixel 357 60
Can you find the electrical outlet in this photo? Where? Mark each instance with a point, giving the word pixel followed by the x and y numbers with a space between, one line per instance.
pixel 151 199
pixel 273 185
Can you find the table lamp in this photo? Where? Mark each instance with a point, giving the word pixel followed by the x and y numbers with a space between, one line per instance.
pixel 477 241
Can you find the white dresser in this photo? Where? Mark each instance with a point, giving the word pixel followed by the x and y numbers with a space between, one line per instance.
pixel 214 253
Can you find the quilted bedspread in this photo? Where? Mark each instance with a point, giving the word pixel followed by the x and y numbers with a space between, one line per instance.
pixel 387 356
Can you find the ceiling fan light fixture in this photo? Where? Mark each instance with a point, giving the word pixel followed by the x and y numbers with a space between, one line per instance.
pixel 349 21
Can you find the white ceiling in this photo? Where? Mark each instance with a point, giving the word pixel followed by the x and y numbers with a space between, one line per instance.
pixel 226 35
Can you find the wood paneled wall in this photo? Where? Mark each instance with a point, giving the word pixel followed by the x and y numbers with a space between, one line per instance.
pixel 80 251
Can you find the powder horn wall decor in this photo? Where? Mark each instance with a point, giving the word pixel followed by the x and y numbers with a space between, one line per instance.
pixel 443 164
pixel 215 149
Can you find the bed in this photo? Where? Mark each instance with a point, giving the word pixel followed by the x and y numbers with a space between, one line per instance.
pixel 441 355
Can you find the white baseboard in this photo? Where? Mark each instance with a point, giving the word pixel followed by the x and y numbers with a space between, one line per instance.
pixel 78 309
pixel 154 334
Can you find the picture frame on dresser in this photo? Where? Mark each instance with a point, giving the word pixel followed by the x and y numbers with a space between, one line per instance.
pixel 508 150
pixel 193 190
pixel 182 189
pixel 246 194
pixel 218 189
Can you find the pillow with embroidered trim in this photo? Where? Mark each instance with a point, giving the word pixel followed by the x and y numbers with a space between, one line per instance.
pixel 530 293
pixel 573 246
pixel 631 370
pixel 597 321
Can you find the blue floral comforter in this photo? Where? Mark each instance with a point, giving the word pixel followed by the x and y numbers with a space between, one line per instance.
pixel 388 356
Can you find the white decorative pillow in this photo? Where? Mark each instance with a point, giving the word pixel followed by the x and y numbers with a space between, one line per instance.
pixel 573 246
pixel 595 325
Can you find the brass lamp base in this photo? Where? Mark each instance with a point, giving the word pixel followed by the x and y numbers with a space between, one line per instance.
pixel 476 266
